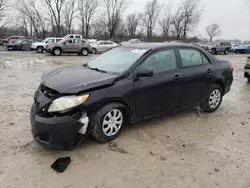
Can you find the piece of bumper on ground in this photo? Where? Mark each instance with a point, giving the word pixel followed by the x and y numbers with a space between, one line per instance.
pixel 56 132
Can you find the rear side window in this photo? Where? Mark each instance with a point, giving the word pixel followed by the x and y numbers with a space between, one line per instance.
pixel 58 40
pixel 190 57
pixel 79 41
pixel 78 36
pixel 161 61
pixel 205 59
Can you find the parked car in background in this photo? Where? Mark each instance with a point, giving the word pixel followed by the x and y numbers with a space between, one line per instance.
pixel 21 44
pixel 234 47
pixel 247 69
pixel 13 39
pixel 125 85
pixel 245 48
pixel 102 46
pixel 91 41
pixel 73 36
pixel 131 41
pixel 214 48
pixel 68 45
pixel 40 46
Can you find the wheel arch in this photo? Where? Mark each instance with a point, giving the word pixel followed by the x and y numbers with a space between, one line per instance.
pixel 221 84
pixel 126 108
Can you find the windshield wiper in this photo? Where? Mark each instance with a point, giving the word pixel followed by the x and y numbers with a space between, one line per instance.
pixel 96 69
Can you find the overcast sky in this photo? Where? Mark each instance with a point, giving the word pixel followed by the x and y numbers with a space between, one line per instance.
pixel 232 15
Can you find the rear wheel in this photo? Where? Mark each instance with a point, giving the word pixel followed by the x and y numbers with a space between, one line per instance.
pixel 40 49
pixel 5 43
pixel 226 51
pixel 107 123
pixel 248 79
pixel 57 52
pixel 213 99
pixel 214 51
pixel 85 52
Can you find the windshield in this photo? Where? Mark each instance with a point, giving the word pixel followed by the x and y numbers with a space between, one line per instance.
pixel 117 60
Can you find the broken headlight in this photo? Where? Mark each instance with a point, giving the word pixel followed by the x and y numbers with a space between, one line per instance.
pixel 67 102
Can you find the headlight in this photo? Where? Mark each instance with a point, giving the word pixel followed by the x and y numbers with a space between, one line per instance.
pixel 65 103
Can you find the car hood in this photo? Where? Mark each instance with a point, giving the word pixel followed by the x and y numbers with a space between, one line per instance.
pixel 75 79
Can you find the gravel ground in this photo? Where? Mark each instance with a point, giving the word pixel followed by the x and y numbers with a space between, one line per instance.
pixel 187 149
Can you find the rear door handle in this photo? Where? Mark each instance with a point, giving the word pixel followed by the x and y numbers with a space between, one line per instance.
pixel 177 77
pixel 210 72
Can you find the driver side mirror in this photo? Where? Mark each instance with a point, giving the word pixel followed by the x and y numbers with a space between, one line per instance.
pixel 144 72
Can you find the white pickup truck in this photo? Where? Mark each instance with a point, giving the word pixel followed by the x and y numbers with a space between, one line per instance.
pixel 40 46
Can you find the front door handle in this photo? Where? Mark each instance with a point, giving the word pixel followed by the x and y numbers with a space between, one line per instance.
pixel 177 77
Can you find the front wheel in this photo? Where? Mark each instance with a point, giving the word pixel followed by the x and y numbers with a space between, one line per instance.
pixel 213 99
pixel 226 52
pixel 107 123
pixel 94 51
pixel 214 51
pixel 5 43
pixel 57 52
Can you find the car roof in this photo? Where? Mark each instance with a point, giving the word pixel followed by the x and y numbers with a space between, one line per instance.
pixel 158 45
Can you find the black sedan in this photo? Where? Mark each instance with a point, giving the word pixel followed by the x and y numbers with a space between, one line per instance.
pixel 22 44
pixel 125 85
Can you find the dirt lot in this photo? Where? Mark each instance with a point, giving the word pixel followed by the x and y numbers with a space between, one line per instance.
pixel 181 150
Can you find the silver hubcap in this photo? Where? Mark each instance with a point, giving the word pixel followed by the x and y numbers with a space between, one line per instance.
pixel 57 52
pixel 112 122
pixel 85 52
pixel 214 99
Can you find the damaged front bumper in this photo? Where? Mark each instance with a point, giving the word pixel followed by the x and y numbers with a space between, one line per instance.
pixel 59 132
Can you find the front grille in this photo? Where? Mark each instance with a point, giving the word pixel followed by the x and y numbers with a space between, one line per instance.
pixel 50 93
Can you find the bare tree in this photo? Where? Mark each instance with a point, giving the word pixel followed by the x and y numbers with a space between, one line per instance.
pixel 33 17
pixel 100 29
pixel 166 21
pixel 3 18
pixel 55 8
pixel 70 11
pixel 213 31
pixel 132 23
pixel 114 10
pixel 177 25
pixel 151 14
pixel 87 11
pixel 191 13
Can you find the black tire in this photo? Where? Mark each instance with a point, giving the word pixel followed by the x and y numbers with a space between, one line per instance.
pixel 248 79
pixel 205 106
pixel 214 51
pixel 94 50
pixel 85 52
pixel 39 49
pixel 4 43
pixel 97 118
pixel 57 51
pixel 226 52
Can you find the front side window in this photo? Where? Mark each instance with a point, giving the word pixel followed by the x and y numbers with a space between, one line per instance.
pixel 58 40
pixel 50 41
pixel 77 36
pixel 161 61
pixel 190 57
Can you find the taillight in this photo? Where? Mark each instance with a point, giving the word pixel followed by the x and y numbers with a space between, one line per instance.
pixel 231 68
